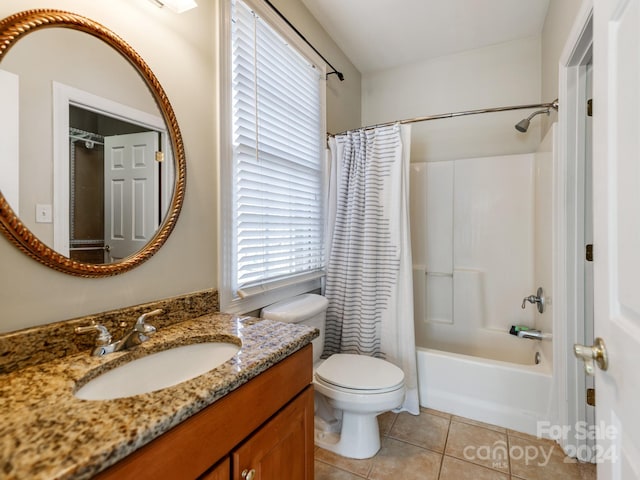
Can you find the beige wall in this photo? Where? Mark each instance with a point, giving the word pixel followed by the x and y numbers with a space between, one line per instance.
pixel 557 26
pixel 495 76
pixel 181 50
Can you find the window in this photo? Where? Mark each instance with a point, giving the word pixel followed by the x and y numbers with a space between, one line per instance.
pixel 274 229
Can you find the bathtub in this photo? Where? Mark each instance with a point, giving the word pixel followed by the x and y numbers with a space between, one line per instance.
pixel 509 395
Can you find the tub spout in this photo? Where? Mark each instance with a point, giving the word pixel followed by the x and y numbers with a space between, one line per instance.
pixel 522 331
pixel 533 334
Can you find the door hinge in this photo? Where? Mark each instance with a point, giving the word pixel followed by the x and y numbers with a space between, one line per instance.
pixel 588 254
pixel 590 107
pixel 159 157
pixel 591 397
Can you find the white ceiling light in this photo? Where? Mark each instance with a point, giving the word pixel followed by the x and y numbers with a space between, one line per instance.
pixel 177 6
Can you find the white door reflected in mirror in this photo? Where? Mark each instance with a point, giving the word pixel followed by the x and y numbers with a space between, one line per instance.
pixel 9 138
pixel 131 193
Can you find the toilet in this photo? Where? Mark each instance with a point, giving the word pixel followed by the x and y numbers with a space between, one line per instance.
pixel 350 390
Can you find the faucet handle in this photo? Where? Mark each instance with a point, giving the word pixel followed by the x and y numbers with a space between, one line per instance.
pixel 530 299
pixel 140 324
pixel 537 299
pixel 103 338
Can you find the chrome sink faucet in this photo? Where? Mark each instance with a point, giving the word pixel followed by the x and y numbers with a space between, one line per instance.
pixel 140 333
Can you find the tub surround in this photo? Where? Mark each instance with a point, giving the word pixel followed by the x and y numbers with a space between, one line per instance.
pixel 32 346
pixel 46 432
pixel 472 245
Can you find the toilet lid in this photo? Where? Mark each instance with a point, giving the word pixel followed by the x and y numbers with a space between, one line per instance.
pixel 360 372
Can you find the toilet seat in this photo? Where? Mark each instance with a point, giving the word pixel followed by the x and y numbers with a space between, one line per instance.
pixel 359 374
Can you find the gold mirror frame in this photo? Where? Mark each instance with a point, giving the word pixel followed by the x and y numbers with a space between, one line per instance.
pixel 11 30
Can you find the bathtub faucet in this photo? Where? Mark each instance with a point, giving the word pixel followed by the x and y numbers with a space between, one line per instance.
pixel 537 300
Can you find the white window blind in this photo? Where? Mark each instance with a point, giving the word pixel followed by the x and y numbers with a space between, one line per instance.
pixel 277 153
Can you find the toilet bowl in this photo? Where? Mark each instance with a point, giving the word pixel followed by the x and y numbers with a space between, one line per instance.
pixel 351 390
pixel 358 388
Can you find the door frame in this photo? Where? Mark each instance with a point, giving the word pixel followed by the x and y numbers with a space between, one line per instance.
pixel 65 96
pixel 569 295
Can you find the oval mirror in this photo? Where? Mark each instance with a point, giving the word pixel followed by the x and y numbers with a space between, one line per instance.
pixel 92 166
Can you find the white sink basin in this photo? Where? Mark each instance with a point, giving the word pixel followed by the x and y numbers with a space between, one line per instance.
pixel 158 370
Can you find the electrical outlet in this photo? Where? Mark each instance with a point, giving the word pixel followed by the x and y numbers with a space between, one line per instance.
pixel 44 213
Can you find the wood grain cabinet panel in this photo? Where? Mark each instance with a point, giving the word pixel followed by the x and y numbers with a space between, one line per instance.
pixel 219 472
pixel 283 448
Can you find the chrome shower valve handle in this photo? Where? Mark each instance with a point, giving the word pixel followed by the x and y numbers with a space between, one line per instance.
pixel 530 299
pixel 537 300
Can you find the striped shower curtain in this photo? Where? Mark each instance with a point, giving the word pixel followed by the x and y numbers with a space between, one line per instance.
pixel 369 278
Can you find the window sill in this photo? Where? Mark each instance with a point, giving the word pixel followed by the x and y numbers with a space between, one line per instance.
pixel 240 306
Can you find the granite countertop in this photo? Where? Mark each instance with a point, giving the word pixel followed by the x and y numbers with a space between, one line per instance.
pixel 47 433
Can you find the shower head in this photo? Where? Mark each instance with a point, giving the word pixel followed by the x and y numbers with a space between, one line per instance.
pixel 523 125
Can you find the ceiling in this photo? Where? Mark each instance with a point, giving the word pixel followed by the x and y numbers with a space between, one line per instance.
pixel 381 34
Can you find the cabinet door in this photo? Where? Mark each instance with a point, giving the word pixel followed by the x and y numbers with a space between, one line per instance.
pixel 219 472
pixel 283 448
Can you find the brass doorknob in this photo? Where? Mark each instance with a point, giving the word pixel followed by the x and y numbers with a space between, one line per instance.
pixel 595 354
pixel 248 474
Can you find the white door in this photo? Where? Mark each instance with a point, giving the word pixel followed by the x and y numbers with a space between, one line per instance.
pixel 131 192
pixel 616 204
pixel 9 138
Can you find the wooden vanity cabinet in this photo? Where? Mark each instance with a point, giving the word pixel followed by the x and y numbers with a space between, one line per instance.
pixel 264 426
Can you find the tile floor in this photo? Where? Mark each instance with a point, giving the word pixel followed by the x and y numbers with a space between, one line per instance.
pixel 438 446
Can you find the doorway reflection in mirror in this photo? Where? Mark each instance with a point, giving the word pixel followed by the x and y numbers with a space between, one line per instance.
pixel 114 188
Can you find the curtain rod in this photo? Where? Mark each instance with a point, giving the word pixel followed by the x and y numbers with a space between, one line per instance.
pixel 553 105
pixel 340 75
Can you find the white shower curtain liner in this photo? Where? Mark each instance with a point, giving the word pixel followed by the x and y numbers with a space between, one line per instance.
pixel 369 281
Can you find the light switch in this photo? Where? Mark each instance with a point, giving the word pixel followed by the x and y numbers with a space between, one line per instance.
pixel 44 213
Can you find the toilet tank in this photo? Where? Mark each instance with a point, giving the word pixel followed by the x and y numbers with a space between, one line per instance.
pixel 308 309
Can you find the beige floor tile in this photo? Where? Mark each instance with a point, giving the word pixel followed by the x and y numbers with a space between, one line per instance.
pixel 424 430
pixel 385 422
pixel 478 424
pixel 357 467
pixel 435 412
pixel 588 471
pixel 474 451
pixel 541 460
pixel 324 471
pixel 478 445
pixel 526 436
pixel 454 469
pixel 399 460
